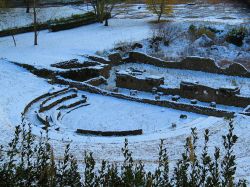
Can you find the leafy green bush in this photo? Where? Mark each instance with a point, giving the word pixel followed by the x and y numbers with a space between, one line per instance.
pixel 26 162
pixel 236 36
pixel 74 17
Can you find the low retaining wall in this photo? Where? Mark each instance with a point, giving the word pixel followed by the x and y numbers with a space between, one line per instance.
pixel 45 121
pixel 73 104
pixel 109 133
pixel 79 74
pixel 99 59
pixel 170 104
pixel 83 74
pixel 85 19
pixel 168 91
pixel 246 111
pixel 20 30
pixel 42 72
pixel 207 94
pixel 224 96
pixel 45 108
pixel 54 25
pixel 190 63
pixel 39 98
pixel 138 82
pixel 96 81
pixel 74 63
pixel 57 94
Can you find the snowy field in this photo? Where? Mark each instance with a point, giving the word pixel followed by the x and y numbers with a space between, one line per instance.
pixel 65 45
pixel 19 87
pixel 111 114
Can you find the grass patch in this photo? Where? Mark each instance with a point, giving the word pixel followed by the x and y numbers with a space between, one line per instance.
pixel 161 21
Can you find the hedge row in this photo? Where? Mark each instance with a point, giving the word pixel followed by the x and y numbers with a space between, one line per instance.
pixel 73 22
pixel 54 25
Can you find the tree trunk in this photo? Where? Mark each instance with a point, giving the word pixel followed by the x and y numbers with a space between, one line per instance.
pixel 106 22
pixel 27 6
pixel 159 18
pixel 35 22
pixel 14 40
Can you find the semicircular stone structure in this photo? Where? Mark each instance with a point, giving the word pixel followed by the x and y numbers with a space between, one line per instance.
pixel 48 111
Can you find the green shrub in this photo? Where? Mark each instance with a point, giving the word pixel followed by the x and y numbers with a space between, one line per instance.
pixel 192 29
pixel 85 16
pixel 197 32
pixel 236 36
pixel 26 162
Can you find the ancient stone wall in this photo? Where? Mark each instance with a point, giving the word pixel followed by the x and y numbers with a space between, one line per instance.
pixel 97 81
pixel 48 107
pixel 170 104
pixel 138 82
pixel 80 74
pixel 224 96
pixel 109 133
pixel 41 97
pixel 190 63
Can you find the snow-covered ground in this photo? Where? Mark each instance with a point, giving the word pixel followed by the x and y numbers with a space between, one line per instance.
pixel 65 45
pixel 112 114
pixel 19 87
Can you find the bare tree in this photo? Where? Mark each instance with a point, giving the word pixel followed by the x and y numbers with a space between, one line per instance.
pixel 108 11
pixel 98 6
pixel 27 4
pixel 39 15
pixel 159 7
pixel 103 9
pixel 8 20
pixel 35 22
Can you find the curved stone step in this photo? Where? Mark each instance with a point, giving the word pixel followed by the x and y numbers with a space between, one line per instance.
pixel 56 94
pixel 74 103
pixel 43 119
pixel 53 104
